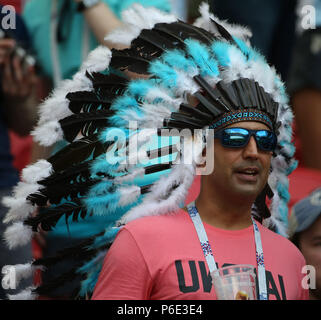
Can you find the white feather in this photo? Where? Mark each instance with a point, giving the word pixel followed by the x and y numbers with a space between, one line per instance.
pixel 136 173
pixel 19 206
pixel 272 180
pixel 123 35
pixel 48 133
pixel 263 74
pixel 154 115
pixel 20 209
pixel 153 204
pixel 23 189
pixel 279 163
pixel 17 235
pixel 128 195
pixel 24 271
pixel 204 22
pixel 160 93
pixel 237 68
pixel 26 294
pixel 135 19
pixel 273 222
pixel 37 171
pixel 56 108
pixel 186 83
pixel 98 60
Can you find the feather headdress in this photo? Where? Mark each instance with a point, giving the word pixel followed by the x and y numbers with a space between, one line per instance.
pixel 116 164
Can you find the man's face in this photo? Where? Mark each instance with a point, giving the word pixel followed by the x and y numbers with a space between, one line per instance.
pixel 241 171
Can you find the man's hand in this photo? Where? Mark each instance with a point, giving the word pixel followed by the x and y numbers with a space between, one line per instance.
pixel 18 83
pixel 17 79
pixel 6 47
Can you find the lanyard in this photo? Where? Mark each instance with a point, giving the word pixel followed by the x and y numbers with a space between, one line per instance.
pixel 208 254
pixel 57 74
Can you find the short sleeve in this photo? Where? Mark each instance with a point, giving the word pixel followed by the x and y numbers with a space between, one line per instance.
pixel 124 275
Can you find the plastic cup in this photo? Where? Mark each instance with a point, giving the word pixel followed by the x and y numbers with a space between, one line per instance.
pixel 235 282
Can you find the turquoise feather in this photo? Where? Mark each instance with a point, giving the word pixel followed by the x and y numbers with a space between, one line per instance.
pixel 202 58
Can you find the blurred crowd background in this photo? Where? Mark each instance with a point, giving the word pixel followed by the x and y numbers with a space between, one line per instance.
pixel 52 38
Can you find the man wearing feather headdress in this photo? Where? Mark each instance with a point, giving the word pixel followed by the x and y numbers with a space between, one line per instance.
pixel 203 78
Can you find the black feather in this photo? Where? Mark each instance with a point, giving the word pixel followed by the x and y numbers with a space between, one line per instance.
pixel 227 96
pixel 75 173
pixel 246 83
pixel 47 289
pixel 210 107
pixel 255 98
pixel 145 189
pixel 158 167
pixel 85 123
pixel 164 30
pixel 260 97
pixel 245 97
pixel 195 32
pixel 276 108
pixel 260 202
pixel 69 276
pixel 48 217
pixel 195 112
pixel 213 94
pixel 100 80
pixel 177 124
pixel 85 149
pixel 161 152
pixel 38 198
pixel 87 101
pixel 196 123
pixel 240 93
pixel 223 32
pixel 147 47
pixel 127 60
pixel 153 38
pixel 55 193
pixel 181 31
pixel 71 252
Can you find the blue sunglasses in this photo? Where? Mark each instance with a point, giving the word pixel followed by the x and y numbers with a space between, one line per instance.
pixel 239 137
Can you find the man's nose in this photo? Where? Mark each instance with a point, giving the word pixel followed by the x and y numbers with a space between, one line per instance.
pixel 251 149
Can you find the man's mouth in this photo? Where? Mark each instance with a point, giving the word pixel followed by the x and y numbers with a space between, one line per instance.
pixel 248 174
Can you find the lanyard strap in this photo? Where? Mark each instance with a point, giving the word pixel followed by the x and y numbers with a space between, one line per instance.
pixel 208 253
pixel 260 262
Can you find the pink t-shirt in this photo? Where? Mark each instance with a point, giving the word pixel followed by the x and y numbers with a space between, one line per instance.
pixel 160 258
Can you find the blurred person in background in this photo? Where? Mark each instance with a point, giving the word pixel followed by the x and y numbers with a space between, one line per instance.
pixel 63 33
pixel 305 233
pixel 20 147
pixel 17 113
pixel 304 83
pixel 272 23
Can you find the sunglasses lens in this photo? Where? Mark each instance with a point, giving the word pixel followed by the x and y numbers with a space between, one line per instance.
pixel 266 140
pixel 239 137
pixel 235 137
